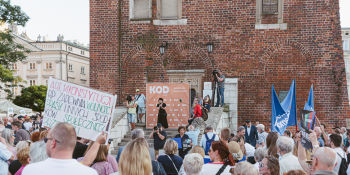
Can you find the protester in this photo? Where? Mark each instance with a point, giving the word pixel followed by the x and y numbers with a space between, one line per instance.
pixel 319 138
pixel 141 105
pixel 23 158
pixel 251 133
pixel 207 139
pixel 249 151
pixel 222 160
pixel 43 134
pixel 135 159
pixel 136 133
pixel 159 136
pixel 35 136
pixel 16 165
pixel 296 172
pixel 80 148
pixel 324 135
pixel 60 144
pixel 197 112
pixel 7 134
pixel 193 134
pixel 347 140
pixel 103 163
pixel 225 135
pixel 261 135
pixel 185 141
pixel 269 166
pixel 343 132
pixel 193 164
pixel 235 150
pixel 21 134
pixel 221 88
pixel 5 155
pixel 239 138
pixel 245 168
pixel 287 160
pixel 162 114
pixel 38 152
pixel 6 123
pixel 259 155
pixel 27 123
pixel 131 104
pixel 207 103
pixel 271 140
pixel 335 141
pixel 287 133
pixel 170 161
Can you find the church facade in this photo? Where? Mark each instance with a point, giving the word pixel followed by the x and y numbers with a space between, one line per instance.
pixel 257 42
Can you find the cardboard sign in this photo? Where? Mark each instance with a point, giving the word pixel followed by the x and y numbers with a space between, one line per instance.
pixel 88 110
pixel 176 97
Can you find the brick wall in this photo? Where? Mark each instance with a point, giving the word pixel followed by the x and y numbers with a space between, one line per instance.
pixel 309 51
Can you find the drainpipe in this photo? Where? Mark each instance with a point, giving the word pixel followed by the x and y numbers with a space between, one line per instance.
pixel 61 61
pixel 120 33
pixel 67 61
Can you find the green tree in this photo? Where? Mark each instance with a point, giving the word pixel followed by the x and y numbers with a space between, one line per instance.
pixel 32 97
pixel 10 51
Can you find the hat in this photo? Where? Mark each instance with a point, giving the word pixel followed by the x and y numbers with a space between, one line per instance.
pixel 235 150
pixel 137 90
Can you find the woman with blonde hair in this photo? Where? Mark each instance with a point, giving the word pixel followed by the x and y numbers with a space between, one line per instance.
pixel 171 162
pixel 23 158
pixel 135 159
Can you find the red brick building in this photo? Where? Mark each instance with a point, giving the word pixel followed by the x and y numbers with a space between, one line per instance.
pixel 260 42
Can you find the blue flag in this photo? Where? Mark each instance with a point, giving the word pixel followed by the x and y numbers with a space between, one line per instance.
pixel 309 105
pixel 283 114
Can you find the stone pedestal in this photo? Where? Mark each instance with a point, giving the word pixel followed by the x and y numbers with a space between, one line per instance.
pixel 231 99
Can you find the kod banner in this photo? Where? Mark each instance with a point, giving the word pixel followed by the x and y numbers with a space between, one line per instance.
pixel 88 110
pixel 176 97
pixel 283 114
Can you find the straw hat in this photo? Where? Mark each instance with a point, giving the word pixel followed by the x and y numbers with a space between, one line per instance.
pixel 235 150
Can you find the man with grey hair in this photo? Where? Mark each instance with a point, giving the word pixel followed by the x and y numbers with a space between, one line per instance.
pixel 60 143
pixel 323 161
pixel 259 155
pixel 287 160
pixel 318 135
pixel 136 133
pixel 6 122
pixel 261 135
pixel 193 164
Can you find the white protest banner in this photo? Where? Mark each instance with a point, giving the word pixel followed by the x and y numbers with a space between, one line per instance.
pixel 88 110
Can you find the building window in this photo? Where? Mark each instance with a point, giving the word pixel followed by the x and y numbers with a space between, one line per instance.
pixel 82 52
pixel 269 7
pixel 82 70
pixel 345 44
pixel 169 9
pixel 32 82
pixel 70 67
pixel 140 9
pixel 70 48
pixel 32 66
pixel 48 66
pixel 13 66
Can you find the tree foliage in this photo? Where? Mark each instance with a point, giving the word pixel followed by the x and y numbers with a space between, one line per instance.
pixel 10 51
pixel 32 97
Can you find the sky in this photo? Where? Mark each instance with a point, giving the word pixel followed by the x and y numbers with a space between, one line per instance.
pixel 71 18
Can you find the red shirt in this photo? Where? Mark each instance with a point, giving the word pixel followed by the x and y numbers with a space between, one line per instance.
pixel 197 111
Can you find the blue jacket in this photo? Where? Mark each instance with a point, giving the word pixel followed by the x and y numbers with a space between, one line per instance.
pixel 252 137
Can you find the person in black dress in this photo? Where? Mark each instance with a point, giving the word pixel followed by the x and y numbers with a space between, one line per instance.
pixel 162 115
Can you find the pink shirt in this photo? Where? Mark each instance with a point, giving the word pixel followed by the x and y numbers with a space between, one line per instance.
pixel 19 172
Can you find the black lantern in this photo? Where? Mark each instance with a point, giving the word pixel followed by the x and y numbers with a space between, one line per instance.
pixel 210 47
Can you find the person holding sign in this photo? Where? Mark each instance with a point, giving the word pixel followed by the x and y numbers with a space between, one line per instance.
pixel 186 144
pixel 131 104
pixel 162 115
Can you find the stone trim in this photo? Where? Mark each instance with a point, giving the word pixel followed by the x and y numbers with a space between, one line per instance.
pixel 282 26
pixel 170 22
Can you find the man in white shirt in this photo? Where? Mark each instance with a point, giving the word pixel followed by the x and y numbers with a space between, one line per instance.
pixel 335 141
pixel 60 143
pixel 287 160
pixel 141 104
pixel 261 135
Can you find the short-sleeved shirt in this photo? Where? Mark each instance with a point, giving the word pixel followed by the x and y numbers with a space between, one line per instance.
pixel 140 100
pixel 222 83
pixel 159 143
pixel 5 155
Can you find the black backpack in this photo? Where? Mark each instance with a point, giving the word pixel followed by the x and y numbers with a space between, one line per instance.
pixel 343 166
pixel 204 114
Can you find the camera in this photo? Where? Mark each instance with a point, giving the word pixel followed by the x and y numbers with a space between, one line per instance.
pixel 110 141
pixel 216 73
pixel 155 128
